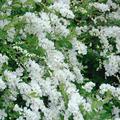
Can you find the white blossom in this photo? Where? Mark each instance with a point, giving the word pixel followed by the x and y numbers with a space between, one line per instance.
pixel 2 84
pixel 3 59
pixel 112 66
pixel 100 6
pixel 89 86
pixel 80 47
pixel 2 114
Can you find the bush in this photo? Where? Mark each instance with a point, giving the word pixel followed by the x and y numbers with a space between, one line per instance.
pixel 59 59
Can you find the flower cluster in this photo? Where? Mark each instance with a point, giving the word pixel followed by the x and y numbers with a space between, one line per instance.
pixel 59 60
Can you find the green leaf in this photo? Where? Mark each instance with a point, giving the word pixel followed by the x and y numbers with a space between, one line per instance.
pixel 63 92
pixel 63 44
pixel 31 44
pixel 34 94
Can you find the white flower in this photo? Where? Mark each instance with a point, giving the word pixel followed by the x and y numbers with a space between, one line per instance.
pixel 80 47
pixel 12 79
pixel 37 25
pixel 112 4
pixel 11 34
pixel 17 108
pixel 36 104
pixel 63 75
pixel 100 6
pixel 115 91
pixel 31 115
pixel 116 112
pixel 78 74
pixel 3 59
pixel 3 23
pixel 55 59
pixel 57 26
pixel 105 87
pixel 89 86
pixel 112 65
pixel 38 1
pixel 81 29
pixel 2 114
pixel 35 87
pixel 73 106
pixel 63 8
pixel 24 88
pixel 19 72
pixel 22 1
pixel 117 119
pixel 34 69
pixel 115 15
pixel 2 84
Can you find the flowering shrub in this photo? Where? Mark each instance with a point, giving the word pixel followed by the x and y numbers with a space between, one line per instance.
pixel 59 60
